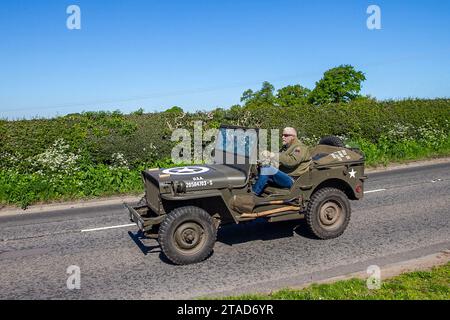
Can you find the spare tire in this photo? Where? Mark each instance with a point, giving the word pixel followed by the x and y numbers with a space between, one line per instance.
pixel 332 141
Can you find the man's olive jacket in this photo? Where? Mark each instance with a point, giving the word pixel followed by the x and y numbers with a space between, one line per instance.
pixel 295 158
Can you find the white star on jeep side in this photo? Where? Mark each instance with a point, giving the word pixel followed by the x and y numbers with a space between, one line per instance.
pixel 352 173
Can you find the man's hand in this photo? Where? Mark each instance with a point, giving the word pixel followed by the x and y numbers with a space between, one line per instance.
pixel 267 154
pixel 267 158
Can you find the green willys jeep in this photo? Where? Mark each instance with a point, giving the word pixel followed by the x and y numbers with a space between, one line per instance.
pixel 185 206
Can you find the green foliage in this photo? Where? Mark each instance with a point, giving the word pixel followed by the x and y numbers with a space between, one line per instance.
pixel 28 138
pixel 340 84
pixel 402 142
pixel 263 97
pixel 25 189
pixel 85 181
pixel 97 153
pixel 174 109
pixel 49 159
pixel 138 112
pixel 295 95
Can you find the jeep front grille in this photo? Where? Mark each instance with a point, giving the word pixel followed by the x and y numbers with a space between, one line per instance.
pixel 152 194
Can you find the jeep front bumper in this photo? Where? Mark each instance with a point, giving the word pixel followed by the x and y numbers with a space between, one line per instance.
pixel 139 216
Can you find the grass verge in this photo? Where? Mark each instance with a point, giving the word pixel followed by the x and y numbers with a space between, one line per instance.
pixel 419 285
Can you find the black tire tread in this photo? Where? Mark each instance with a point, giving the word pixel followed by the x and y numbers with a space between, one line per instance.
pixel 332 141
pixel 315 200
pixel 164 236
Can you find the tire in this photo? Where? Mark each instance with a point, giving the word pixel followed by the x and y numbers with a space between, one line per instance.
pixel 187 235
pixel 328 213
pixel 332 141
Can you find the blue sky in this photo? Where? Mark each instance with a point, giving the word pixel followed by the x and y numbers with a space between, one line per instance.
pixel 203 54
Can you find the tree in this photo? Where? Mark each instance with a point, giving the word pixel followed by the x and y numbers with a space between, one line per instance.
pixel 340 84
pixel 263 96
pixel 292 96
pixel 138 112
pixel 174 109
pixel 247 95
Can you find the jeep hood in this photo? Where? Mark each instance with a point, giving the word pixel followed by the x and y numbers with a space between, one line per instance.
pixel 200 177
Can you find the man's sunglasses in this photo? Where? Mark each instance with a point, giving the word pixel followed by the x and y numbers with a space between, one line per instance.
pixel 287 135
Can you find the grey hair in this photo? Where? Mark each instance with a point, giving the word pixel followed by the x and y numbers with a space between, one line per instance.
pixel 290 130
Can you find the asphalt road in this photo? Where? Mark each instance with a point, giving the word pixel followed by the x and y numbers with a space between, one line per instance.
pixel 407 216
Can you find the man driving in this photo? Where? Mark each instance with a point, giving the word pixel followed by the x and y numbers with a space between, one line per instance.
pixel 293 160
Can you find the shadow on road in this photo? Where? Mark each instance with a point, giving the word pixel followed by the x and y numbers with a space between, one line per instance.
pixel 234 234
pixel 139 239
pixel 260 229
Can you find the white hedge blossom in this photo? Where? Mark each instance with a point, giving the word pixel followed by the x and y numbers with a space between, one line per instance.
pixel 8 159
pixel 427 134
pixel 430 135
pixel 57 158
pixel 310 141
pixel 119 161
pixel 399 132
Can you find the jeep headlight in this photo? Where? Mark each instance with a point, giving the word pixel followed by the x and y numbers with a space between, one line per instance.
pixel 179 186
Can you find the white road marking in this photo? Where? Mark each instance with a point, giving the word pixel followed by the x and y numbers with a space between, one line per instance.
pixel 106 228
pixel 372 191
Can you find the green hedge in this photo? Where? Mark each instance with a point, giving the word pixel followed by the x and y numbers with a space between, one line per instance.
pixel 98 153
pixel 146 137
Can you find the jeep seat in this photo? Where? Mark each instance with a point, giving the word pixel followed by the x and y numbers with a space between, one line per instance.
pixel 272 189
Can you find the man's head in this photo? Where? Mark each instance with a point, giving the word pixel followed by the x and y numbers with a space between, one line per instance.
pixel 289 134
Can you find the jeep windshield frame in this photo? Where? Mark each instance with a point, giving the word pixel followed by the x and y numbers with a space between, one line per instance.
pixel 236 147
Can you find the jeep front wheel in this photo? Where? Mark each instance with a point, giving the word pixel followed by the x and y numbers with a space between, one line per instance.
pixel 328 213
pixel 187 235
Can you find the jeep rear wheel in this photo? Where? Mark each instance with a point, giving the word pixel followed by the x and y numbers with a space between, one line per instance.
pixel 187 235
pixel 328 213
